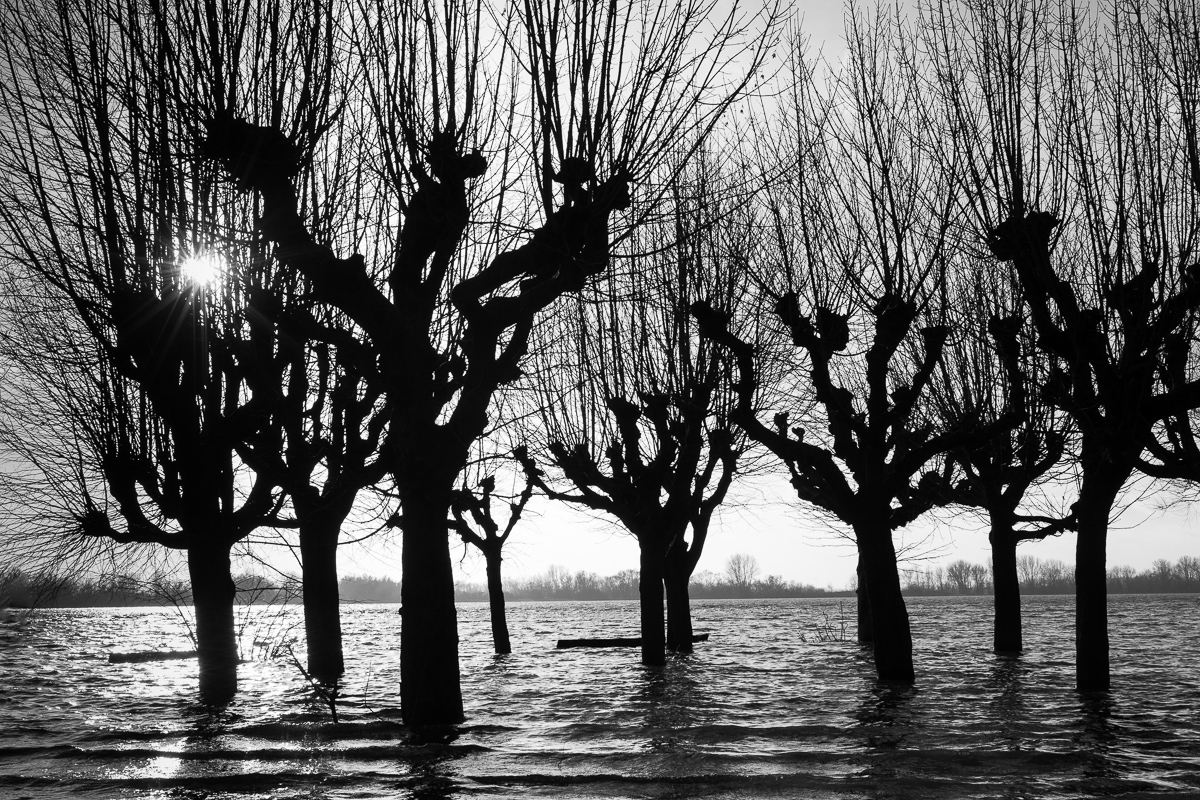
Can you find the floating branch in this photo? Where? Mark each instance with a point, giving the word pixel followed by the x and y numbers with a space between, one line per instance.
pixel 634 641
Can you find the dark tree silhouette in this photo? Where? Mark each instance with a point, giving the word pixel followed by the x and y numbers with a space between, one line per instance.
pixel 332 422
pixel 632 490
pixel 1051 113
pixel 985 377
pixel 491 541
pixel 330 413
pixel 859 244
pixel 152 377
pixel 635 405
pixel 498 151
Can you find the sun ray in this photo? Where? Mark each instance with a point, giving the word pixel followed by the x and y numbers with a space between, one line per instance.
pixel 202 268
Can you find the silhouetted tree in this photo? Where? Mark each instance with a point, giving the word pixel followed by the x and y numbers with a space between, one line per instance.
pixel 636 405
pixel 490 543
pixel 497 149
pixel 151 374
pixel 332 423
pixel 1073 136
pixel 985 378
pixel 859 244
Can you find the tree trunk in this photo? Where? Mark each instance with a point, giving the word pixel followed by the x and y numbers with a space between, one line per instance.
pixel 213 594
pixel 888 614
pixel 322 612
pixel 496 603
pixel 650 590
pixel 1091 590
pixel 863 604
pixel 430 692
pixel 677 574
pixel 1006 631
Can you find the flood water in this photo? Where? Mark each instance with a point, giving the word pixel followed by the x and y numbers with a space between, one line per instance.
pixel 769 707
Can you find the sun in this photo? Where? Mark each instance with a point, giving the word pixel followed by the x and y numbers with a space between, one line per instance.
pixel 202 268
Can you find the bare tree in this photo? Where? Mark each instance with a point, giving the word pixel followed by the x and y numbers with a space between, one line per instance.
pixel 635 406
pixel 483 533
pixel 149 373
pixel 305 422
pixel 332 421
pixel 1188 569
pixel 859 244
pixel 985 377
pixel 499 146
pixel 741 569
pixel 1073 134
pixel 1027 569
pixel 959 573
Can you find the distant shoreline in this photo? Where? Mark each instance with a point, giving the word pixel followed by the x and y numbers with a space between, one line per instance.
pixel 845 595
pixel 19 590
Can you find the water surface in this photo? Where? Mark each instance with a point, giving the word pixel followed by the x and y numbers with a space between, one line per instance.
pixel 769 707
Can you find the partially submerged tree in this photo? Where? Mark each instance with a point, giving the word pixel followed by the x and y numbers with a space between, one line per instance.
pixel 1078 139
pixel 147 365
pixel 483 533
pixel 987 375
pixel 331 423
pixel 859 244
pixel 500 146
pixel 326 400
pixel 634 405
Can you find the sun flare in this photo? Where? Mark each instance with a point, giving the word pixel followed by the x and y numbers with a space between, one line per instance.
pixel 203 268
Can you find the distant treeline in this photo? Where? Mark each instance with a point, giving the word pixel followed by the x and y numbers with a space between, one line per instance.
pixel 22 589
pixel 559 584
pixel 1037 576
pixel 41 590
pixel 1050 576
pixel 35 590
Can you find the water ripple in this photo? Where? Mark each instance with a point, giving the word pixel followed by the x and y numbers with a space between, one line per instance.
pixel 761 710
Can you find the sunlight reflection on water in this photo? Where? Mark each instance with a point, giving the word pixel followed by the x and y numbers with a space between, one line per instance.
pixel 764 709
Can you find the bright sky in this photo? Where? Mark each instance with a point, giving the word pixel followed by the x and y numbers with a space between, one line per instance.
pixel 769 523
pixel 788 539
pixel 766 521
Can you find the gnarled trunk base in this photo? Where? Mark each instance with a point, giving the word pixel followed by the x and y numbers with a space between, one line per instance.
pixel 430 690
pixel 650 592
pixel 322 610
pixel 1006 631
pixel 500 638
pixel 213 594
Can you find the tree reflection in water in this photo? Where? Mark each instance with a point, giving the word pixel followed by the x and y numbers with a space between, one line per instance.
pixel 1007 704
pixel 1097 737
pixel 886 715
pixel 674 703
pixel 886 720
pixel 430 758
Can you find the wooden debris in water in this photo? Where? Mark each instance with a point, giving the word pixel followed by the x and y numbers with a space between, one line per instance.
pixel 139 658
pixel 634 641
